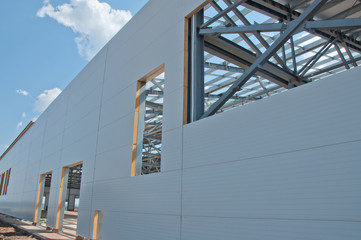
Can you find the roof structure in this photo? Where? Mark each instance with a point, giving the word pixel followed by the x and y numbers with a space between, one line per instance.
pixel 238 33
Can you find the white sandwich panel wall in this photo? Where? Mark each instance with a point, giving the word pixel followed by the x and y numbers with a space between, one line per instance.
pixel 151 194
pixel 27 206
pixel 128 225
pixel 113 164
pixel 116 134
pixel 304 117
pixel 88 164
pixel 85 106
pixel 173 109
pixel 47 164
pixel 270 229
pixel 70 131
pixel 85 218
pixel 191 5
pixel 292 159
pixel 82 150
pixel 118 106
pixel 53 198
pixel 174 72
pixel 172 150
pixel 316 184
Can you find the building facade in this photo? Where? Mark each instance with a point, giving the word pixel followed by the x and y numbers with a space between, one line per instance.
pixel 284 167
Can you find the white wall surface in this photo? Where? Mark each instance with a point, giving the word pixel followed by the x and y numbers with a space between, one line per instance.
pixel 286 167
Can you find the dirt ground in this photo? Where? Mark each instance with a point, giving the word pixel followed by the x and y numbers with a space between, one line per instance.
pixel 7 232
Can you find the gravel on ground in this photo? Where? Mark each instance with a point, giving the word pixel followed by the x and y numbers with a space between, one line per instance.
pixel 7 232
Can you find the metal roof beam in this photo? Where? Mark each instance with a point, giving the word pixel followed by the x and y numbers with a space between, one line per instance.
pixel 257 35
pixel 292 27
pixel 274 27
pixel 243 58
pixel 222 13
pixel 276 10
pixel 333 67
pixel 153 105
pixel 334 24
pixel 224 67
pixel 268 27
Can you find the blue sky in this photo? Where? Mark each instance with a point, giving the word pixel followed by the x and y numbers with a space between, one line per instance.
pixel 43 45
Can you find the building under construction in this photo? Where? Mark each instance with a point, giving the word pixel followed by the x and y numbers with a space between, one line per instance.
pixel 217 119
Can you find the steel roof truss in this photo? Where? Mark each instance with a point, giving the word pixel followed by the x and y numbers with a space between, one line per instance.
pixel 261 60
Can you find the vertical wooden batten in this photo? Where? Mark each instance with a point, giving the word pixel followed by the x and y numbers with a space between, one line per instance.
pixel 38 200
pixel 7 182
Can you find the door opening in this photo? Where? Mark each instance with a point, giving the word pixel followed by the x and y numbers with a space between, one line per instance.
pixel 69 196
pixel 42 202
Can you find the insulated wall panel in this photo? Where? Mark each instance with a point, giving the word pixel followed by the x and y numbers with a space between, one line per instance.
pixel 113 164
pixel 316 184
pixel 84 218
pixel 157 193
pixel 287 162
pixel 120 225
pixel 304 117
pixel 270 229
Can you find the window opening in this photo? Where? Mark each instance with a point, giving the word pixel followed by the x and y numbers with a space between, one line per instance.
pixel 238 52
pixel 42 203
pixel 148 122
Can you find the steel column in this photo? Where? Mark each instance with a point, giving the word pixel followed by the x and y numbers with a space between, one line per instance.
pixel 196 69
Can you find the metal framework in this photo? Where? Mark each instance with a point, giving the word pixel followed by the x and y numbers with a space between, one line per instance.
pixel 48 180
pixel 148 156
pixel 256 48
pixel 74 179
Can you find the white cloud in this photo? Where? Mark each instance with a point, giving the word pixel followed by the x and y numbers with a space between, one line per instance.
pixel 34 119
pixel 95 22
pixel 23 115
pixel 22 92
pixel 6 146
pixel 20 124
pixel 45 98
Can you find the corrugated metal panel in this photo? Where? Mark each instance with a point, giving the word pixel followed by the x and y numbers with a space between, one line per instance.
pixel 120 225
pixel 303 117
pixel 315 184
pixel 157 193
pixel 270 229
